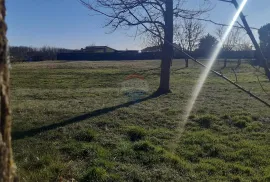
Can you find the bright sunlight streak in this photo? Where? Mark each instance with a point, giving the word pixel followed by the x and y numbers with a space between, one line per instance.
pixel 205 73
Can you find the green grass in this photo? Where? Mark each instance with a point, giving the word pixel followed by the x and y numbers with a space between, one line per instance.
pixel 72 121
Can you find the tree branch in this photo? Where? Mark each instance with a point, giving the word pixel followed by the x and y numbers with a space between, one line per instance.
pixel 222 24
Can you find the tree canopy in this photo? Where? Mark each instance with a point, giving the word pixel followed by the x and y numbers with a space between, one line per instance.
pixel 156 17
pixel 207 43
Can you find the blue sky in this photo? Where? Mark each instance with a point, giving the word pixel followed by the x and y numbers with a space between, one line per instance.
pixel 67 24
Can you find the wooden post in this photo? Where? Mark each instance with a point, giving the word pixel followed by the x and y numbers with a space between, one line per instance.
pixel 7 167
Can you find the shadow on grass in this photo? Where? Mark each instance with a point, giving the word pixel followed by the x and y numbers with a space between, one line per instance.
pixel 175 70
pixel 32 132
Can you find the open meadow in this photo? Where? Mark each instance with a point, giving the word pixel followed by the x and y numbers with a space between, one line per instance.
pixel 75 121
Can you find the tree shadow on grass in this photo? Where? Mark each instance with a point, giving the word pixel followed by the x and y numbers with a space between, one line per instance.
pixel 32 132
pixel 178 69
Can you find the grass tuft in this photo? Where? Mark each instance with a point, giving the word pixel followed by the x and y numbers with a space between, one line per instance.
pixel 144 146
pixel 241 121
pixel 254 126
pixel 206 121
pixel 86 136
pixel 136 133
pixel 96 174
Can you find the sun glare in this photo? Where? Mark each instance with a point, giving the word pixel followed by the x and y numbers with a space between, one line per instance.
pixel 198 87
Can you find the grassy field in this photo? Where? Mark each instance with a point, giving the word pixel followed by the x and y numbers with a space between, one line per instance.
pixel 74 122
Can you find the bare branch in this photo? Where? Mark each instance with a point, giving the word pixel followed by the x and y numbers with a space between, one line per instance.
pixel 119 15
pixel 188 33
pixel 150 17
pixel 262 86
pixel 236 78
pixel 221 24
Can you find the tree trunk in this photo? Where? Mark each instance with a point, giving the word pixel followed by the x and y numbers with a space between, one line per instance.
pixel 6 163
pixel 167 49
pixel 225 63
pixel 186 61
pixel 259 53
pixel 239 61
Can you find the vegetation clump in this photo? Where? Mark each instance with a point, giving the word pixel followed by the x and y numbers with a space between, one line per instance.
pixel 254 126
pixel 241 121
pixel 96 174
pixel 206 121
pixel 86 136
pixel 136 133
pixel 145 146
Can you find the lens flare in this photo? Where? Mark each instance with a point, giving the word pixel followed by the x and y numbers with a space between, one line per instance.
pixel 205 73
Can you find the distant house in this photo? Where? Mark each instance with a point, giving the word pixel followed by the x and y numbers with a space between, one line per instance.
pixel 128 51
pixel 152 49
pixel 176 48
pixel 96 53
pixel 98 49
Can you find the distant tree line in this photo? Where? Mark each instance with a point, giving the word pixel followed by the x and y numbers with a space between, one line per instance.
pixel 190 37
pixel 24 53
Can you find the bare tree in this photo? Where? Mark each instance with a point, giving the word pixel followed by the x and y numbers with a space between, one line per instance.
pixel 188 35
pixel 232 42
pixel 233 39
pixel 244 45
pixel 154 16
pixel 152 41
